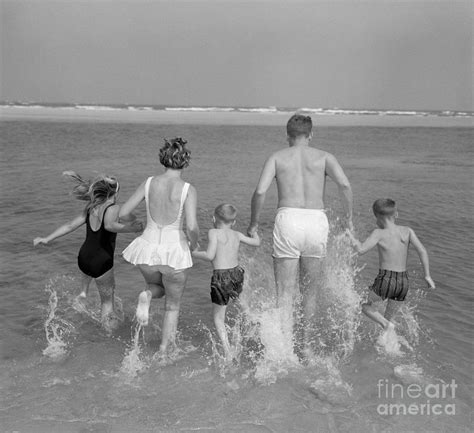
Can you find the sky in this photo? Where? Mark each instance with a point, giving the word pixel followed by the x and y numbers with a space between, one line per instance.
pixel 390 54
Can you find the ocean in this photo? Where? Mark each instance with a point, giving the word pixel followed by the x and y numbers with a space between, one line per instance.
pixel 62 373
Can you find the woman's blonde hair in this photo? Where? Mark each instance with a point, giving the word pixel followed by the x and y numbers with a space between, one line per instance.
pixel 95 191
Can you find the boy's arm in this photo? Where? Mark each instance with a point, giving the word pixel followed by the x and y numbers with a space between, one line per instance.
pixel 253 240
pixel 210 253
pixel 112 224
pixel 63 230
pixel 258 198
pixel 423 254
pixel 368 244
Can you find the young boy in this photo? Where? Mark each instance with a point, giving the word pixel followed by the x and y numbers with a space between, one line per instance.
pixel 228 277
pixel 392 243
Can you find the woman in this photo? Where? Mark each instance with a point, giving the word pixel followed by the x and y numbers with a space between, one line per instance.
pixel 163 251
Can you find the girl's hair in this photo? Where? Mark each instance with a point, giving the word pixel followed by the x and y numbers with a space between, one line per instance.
pixel 95 191
pixel 174 153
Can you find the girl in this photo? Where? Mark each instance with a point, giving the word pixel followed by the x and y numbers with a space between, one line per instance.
pixel 96 256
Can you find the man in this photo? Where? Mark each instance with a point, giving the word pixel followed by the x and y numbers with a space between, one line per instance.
pixel 301 226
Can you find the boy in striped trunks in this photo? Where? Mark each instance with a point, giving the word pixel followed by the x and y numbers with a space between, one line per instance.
pixel 392 242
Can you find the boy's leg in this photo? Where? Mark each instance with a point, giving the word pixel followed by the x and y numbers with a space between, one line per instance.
pixel 106 287
pixel 174 284
pixel 218 312
pixel 85 283
pixel 392 309
pixel 369 310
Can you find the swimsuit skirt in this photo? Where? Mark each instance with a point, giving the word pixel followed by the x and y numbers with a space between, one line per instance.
pixel 161 245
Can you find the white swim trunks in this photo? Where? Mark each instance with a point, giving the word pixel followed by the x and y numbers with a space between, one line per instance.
pixel 300 233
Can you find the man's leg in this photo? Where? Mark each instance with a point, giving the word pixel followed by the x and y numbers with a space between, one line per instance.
pixel 311 281
pixel 286 280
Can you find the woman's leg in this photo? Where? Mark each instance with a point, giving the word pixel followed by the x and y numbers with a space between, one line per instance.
pixel 154 281
pixel 174 284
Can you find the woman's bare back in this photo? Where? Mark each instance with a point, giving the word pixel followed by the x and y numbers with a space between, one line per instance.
pixel 165 198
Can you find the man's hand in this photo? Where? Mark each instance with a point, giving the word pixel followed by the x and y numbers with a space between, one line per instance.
pixel 252 229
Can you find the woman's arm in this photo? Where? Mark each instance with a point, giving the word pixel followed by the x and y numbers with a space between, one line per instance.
pixel 112 224
pixel 210 253
pixel 63 230
pixel 190 210
pixel 125 213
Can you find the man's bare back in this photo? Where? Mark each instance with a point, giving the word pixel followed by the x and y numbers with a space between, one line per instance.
pixel 300 176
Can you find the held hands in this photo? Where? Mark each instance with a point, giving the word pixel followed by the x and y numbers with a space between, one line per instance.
pixel 136 225
pixel 430 282
pixel 37 241
pixel 252 229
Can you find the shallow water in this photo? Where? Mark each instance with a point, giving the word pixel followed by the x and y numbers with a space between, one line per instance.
pixel 62 373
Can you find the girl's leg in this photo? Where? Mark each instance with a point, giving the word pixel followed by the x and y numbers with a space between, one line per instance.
pixel 106 287
pixel 174 284
pixel 219 321
pixel 85 283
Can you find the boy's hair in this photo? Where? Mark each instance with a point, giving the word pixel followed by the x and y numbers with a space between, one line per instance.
pixel 95 191
pixel 299 125
pixel 174 153
pixel 384 207
pixel 225 213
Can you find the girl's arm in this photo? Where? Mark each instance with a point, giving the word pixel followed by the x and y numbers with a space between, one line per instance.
pixel 63 230
pixel 253 240
pixel 190 210
pixel 210 253
pixel 423 254
pixel 368 244
pixel 112 224
pixel 125 213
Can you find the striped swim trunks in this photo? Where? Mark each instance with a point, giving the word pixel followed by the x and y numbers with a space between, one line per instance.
pixel 391 285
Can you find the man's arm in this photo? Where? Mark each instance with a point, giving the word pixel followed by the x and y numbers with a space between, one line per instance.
pixel 258 198
pixel 336 173
pixel 423 254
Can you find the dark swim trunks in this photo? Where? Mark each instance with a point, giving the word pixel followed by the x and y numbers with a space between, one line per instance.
pixel 391 285
pixel 96 255
pixel 226 284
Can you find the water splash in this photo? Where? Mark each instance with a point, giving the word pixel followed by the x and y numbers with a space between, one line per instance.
pixel 56 328
pixel 134 362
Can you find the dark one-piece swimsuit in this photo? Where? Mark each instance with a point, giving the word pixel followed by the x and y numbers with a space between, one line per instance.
pixel 96 255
